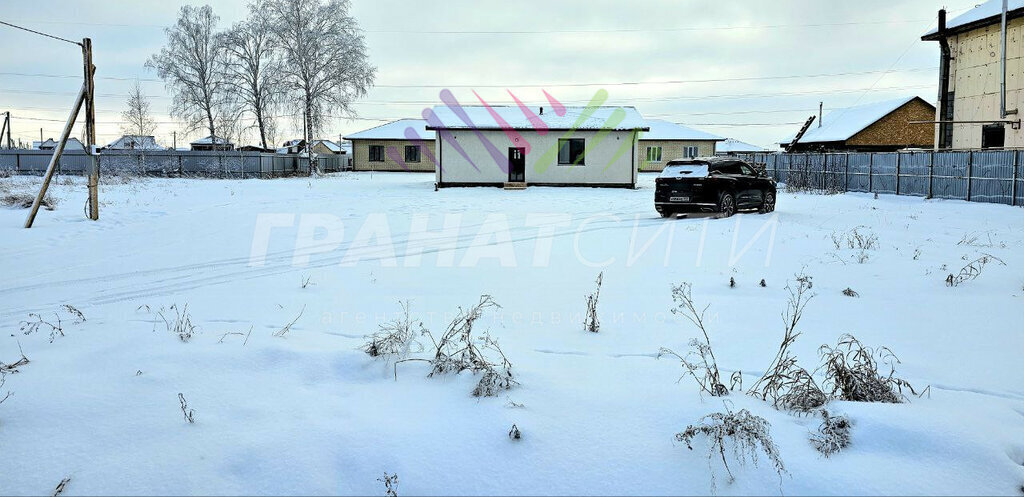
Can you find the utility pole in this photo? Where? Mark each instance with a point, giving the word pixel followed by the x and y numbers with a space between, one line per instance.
pixel 6 127
pixel 821 106
pixel 90 129
pixel 174 140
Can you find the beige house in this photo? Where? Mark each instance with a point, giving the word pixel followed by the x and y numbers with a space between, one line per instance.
pixel 515 147
pixel 970 77
pixel 402 145
pixel 668 141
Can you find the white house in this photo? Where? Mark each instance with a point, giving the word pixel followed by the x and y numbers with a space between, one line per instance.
pixel 517 146
pixel 135 142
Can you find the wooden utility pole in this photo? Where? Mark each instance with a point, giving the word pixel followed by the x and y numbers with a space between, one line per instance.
pixel 6 127
pixel 90 130
pixel 54 160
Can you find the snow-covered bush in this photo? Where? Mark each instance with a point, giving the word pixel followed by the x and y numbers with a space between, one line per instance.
pixel 178 323
pixel 700 361
pixel 789 386
pixel 590 323
pixel 397 338
pixel 972 270
pixel 833 434
pixel 188 413
pixel 741 434
pixel 458 350
pixel 55 326
pixel 852 372
pixel 390 484
pixel 859 239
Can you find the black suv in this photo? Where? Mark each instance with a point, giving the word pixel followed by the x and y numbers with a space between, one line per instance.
pixel 714 184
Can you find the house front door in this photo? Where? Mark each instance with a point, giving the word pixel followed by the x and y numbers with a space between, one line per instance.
pixel 516 164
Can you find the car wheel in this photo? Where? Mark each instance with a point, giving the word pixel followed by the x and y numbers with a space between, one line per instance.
pixel 767 202
pixel 727 204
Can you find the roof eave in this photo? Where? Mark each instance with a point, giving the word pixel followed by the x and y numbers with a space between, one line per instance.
pixel 971 26
pixel 498 128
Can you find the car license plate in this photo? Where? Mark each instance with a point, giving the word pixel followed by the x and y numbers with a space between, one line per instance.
pixel 679 199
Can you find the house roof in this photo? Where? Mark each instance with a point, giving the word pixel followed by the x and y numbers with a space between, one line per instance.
pixel 50 144
pixel 982 15
pixel 734 145
pixel 583 118
pixel 211 140
pixel 666 130
pixel 394 130
pixel 135 142
pixel 333 147
pixel 841 124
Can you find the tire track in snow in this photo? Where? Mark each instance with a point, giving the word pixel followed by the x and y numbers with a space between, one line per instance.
pixel 186 278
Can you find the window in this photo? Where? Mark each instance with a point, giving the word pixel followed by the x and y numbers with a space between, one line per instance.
pixel 653 154
pixel 747 171
pixel 728 168
pixel 376 153
pixel 412 153
pixel 690 152
pixel 993 136
pixel 570 152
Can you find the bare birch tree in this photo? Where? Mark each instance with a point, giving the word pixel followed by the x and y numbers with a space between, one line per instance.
pixel 326 66
pixel 254 69
pixel 137 119
pixel 193 67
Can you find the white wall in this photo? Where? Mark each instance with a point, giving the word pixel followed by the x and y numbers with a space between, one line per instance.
pixel 596 171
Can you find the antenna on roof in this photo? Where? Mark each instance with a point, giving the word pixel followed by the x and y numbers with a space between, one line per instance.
pixel 542 111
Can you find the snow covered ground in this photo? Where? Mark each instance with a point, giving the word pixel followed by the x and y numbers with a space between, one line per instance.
pixel 309 413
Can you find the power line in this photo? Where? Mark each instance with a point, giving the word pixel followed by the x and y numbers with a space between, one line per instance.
pixel 40 33
pixel 69 76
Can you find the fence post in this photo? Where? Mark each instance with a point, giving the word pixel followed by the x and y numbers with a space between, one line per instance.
pixel 899 156
pixel 17 162
pixel 1013 186
pixel 846 174
pixel 970 171
pixel 871 172
pixel 931 172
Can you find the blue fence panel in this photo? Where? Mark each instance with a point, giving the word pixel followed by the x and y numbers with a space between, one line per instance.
pixel 992 176
pixel 949 175
pixel 914 170
pixel 859 167
pixel 883 173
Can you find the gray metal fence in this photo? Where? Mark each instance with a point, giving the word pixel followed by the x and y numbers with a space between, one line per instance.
pixel 173 163
pixel 992 176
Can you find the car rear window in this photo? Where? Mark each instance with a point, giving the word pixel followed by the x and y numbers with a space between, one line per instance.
pixel 680 170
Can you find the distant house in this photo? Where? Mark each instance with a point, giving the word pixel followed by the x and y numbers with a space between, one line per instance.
pixel 135 142
pixel 402 145
pixel 667 141
pixel 73 144
pixel 970 76
pixel 732 146
pixel 320 147
pixel 515 146
pixel 212 143
pixel 255 148
pixel 875 127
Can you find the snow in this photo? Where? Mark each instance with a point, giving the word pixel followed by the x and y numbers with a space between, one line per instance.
pixel 841 124
pixel 732 145
pixel 210 140
pixel 480 117
pixel 135 142
pixel 666 130
pixel 311 414
pixel 395 130
pixel 672 171
pixel 982 11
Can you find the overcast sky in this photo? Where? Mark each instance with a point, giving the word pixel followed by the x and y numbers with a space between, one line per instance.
pixel 860 52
